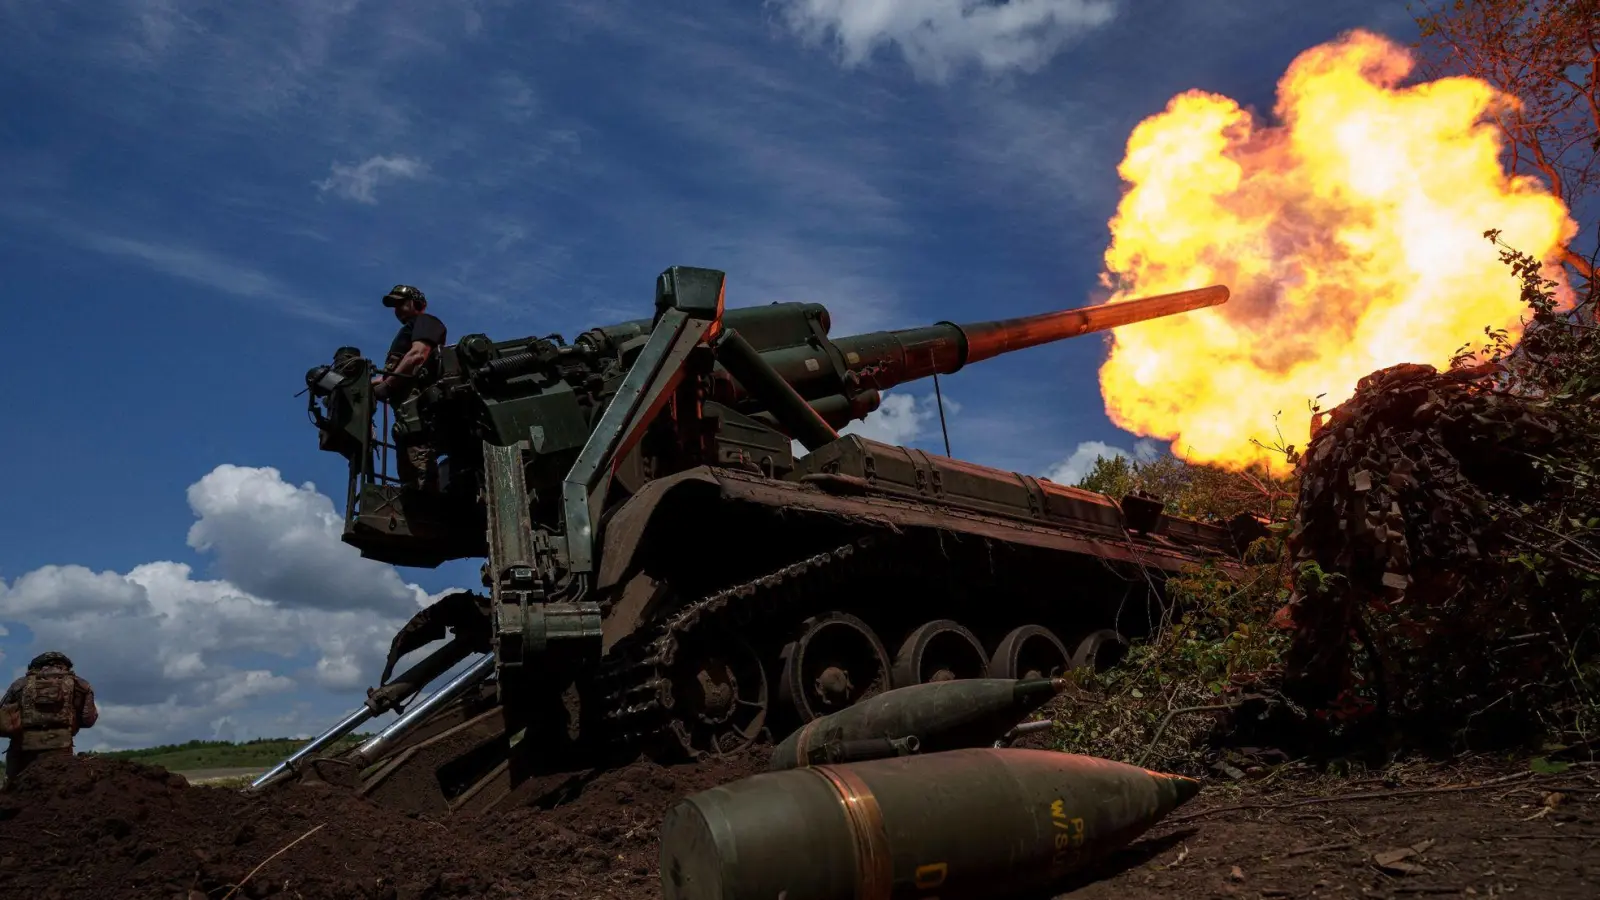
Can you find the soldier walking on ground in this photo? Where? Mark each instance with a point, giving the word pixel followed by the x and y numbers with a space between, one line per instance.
pixel 414 363
pixel 43 710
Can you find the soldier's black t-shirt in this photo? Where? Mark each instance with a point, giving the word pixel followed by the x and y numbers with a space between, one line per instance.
pixel 423 327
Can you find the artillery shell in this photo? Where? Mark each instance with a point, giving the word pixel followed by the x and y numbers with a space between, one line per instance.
pixel 960 824
pixel 942 715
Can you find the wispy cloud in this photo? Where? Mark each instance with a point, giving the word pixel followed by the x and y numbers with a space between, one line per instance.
pixel 186 262
pixel 358 182
pixel 827 195
pixel 1056 152
pixel 208 270
pixel 517 98
pixel 317 69
pixel 508 259
pixel 352 101
pixel 938 37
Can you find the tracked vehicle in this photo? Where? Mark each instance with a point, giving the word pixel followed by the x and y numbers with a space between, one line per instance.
pixel 664 572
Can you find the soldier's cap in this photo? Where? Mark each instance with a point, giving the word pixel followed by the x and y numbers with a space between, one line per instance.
pixel 401 293
pixel 51 658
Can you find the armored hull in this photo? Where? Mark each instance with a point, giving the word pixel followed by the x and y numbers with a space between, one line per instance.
pixel 666 573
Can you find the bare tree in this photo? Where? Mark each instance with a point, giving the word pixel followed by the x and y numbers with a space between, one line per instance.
pixel 1545 53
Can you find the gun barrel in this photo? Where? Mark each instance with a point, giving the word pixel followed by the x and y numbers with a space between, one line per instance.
pixel 990 339
pixel 885 359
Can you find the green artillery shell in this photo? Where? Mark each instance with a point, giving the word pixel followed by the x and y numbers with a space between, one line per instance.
pixel 942 715
pixel 975 823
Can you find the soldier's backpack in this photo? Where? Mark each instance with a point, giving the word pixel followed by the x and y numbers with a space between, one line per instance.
pixel 48 714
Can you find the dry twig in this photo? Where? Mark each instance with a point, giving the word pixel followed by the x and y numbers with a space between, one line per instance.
pixel 1167 719
pixel 1320 848
pixel 1370 795
pixel 274 856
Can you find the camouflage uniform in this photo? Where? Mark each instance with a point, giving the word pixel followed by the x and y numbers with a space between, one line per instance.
pixel 417 464
pixel 43 710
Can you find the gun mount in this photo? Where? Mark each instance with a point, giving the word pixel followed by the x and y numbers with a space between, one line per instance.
pixel 663 570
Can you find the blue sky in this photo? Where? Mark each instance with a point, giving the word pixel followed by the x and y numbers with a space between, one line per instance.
pixel 199 201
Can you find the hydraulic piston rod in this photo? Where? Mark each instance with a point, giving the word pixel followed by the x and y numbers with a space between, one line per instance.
pixel 346 725
pixel 378 743
pixel 380 701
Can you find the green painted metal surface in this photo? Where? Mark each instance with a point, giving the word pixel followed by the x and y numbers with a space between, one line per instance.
pixel 943 715
pixel 982 823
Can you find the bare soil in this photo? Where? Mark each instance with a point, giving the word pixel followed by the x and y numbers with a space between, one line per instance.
pixel 111 829
pixel 1532 836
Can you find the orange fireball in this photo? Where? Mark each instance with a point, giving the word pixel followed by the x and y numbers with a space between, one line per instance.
pixel 1351 236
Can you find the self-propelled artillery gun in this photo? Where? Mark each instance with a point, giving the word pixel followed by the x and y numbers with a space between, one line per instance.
pixel 665 572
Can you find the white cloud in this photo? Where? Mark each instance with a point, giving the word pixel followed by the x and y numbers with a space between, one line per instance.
pixel 358 182
pixel 516 96
pixel 847 192
pixel 899 419
pixel 277 540
pixel 1071 470
pixel 173 656
pixel 180 260
pixel 1042 152
pixel 938 36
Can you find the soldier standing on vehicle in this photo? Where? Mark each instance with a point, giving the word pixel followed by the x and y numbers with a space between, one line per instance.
pixel 43 710
pixel 414 363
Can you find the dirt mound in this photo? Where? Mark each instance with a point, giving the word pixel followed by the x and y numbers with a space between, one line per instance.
pixel 597 837
pixel 109 829
pixel 91 827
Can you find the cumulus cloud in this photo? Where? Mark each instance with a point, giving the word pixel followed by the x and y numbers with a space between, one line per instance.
pixel 173 655
pixel 253 522
pixel 358 182
pixel 1072 469
pixel 900 419
pixel 938 36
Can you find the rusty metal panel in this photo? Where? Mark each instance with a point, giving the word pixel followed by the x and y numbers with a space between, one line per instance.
pixel 891 469
pixel 908 512
pixel 1003 492
pixel 971 499
pixel 627 525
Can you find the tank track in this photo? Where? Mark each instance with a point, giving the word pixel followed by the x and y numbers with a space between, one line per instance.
pixel 636 686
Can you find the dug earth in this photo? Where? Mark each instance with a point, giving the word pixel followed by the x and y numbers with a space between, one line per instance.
pixel 109 829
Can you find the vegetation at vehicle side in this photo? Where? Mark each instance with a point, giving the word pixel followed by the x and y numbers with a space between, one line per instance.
pixel 1432 576
pixel 1484 634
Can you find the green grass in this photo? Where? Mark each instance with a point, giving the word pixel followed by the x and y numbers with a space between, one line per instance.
pixel 260 753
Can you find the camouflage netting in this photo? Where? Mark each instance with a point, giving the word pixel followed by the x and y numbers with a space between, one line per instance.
pixel 1431 590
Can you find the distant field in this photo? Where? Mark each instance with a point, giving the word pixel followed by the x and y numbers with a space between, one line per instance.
pixel 258 754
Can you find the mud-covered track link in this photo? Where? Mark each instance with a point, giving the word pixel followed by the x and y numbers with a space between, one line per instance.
pixel 697 671
pixel 818 628
pixel 638 681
